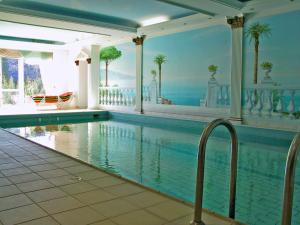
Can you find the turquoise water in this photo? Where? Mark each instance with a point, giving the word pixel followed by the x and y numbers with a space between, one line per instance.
pixel 165 159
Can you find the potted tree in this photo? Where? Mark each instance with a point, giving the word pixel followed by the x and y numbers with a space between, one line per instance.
pixel 213 70
pixel 153 73
pixel 267 67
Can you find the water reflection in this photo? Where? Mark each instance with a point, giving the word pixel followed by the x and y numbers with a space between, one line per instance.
pixel 166 161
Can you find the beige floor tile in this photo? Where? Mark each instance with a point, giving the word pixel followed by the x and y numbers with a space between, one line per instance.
pixel 93 174
pixel 9 163
pixel 81 216
pixel 4 181
pixel 77 188
pixel 183 220
pixel 57 158
pixel 53 173
pixel 43 167
pixel 63 180
pixel 15 171
pixel 41 221
pixel 124 189
pixel 105 222
pixel 27 158
pixel 94 196
pixel 34 162
pixel 67 163
pixel 12 163
pixel 24 178
pixel 34 185
pixel 9 190
pixel 140 217
pixel 170 210
pixel 114 207
pixel 46 194
pixel 146 199
pixel 21 214
pixel 106 181
pixel 60 204
pixel 78 169
pixel 51 156
pixel 14 201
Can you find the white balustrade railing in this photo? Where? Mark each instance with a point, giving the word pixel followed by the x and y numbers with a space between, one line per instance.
pixel 266 100
pixel 223 95
pixel 146 94
pixel 218 95
pixel 117 96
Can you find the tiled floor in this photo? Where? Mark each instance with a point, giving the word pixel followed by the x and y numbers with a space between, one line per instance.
pixel 41 187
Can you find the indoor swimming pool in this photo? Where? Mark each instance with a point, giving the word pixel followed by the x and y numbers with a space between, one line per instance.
pixel 162 155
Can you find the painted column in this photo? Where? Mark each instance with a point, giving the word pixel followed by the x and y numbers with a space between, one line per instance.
pixel 237 24
pixel 139 73
pixel 93 77
pixel 21 80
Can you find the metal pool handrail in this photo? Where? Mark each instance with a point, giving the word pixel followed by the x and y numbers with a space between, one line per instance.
pixel 200 171
pixel 289 181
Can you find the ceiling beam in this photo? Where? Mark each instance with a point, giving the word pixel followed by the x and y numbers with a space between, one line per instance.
pixel 64 25
pixel 192 22
pixel 189 7
pixel 67 18
pixel 208 7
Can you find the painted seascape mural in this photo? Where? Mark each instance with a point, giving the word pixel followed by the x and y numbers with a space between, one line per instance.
pixel 272 67
pixel 189 68
pixel 117 75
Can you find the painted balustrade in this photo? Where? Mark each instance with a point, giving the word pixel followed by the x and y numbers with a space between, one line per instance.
pixel 117 96
pixel 223 95
pixel 218 95
pixel 270 100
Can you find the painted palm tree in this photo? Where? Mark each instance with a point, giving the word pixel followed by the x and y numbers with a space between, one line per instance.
pixel 108 55
pixel 159 60
pixel 256 31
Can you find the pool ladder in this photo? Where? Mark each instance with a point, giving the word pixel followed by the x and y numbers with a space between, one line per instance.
pixel 200 171
pixel 289 178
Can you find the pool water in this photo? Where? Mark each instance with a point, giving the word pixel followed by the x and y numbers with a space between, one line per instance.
pixel 165 159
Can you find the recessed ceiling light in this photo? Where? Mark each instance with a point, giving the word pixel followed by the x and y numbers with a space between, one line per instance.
pixel 154 20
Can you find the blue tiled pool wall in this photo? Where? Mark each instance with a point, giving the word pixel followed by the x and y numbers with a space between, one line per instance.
pixel 51 118
pixel 245 133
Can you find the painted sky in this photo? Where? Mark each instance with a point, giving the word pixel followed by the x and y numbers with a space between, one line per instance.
pixel 282 48
pixel 188 56
pixel 121 71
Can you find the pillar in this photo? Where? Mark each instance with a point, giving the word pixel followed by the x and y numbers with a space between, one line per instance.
pixel 237 24
pixel 81 76
pixel 93 77
pixel 139 73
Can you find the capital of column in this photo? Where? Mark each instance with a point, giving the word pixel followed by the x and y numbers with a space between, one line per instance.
pixel 89 60
pixel 236 22
pixel 77 62
pixel 139 40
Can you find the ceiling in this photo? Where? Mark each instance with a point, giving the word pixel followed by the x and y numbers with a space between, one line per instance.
pixel 114 15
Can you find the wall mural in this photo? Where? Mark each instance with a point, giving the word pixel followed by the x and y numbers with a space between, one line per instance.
pixel 272 67
pixel 117 75
pixel 189 68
